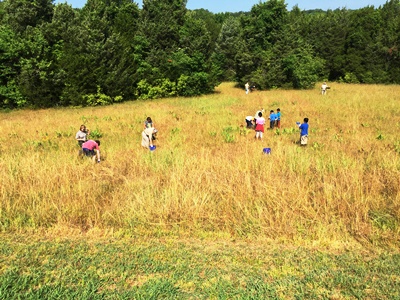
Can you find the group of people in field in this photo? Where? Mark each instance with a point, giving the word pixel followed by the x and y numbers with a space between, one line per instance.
pixel 258 123
pixel 91 148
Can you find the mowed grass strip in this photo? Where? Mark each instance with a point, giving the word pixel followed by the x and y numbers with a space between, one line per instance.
pixel 35 267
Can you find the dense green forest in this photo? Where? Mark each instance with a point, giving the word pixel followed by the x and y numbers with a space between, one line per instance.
pixel 112 50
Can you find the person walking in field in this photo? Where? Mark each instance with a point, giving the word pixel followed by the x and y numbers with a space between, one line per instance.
pixel 324 87
pixel 260 122
pixel 247 87
pixel 91 149
pixel 82 135
pixel 303 132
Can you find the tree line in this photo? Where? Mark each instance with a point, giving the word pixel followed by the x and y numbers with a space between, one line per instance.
pixel 112 50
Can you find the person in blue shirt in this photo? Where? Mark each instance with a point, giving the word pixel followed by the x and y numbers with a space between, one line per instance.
pixel 303 132
pixel 272 119
pixel 278 118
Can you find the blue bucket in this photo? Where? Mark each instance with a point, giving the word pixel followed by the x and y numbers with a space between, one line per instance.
pixel 267 151
pixel 152 148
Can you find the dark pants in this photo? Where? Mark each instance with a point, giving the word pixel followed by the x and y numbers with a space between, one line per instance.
pixel 88 152
pixel 271 124
pixel 249 124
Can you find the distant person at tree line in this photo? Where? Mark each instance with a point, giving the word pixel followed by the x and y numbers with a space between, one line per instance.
pixel 91 149
pixel 82 135
pixel 260 122
pixel 247 87
pixel 324 87
pixel 303 132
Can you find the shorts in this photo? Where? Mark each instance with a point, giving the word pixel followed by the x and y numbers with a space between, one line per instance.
pixel 303 140
pixel 88 152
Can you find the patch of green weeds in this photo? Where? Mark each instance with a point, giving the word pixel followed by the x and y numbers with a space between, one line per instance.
pixel 228 134
pixel 245 131
pixel 289 130
pixel 318 146
pixel 84 119
pixel 60 134
pixel 383 220
pixel 95 134
pixel 175 131
pixel 213 133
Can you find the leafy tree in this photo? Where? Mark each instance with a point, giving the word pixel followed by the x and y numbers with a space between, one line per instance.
pixel 11 49
pixel 102 54
pixel 389 39
pixel 227 48
pixel 212 24
pixel 302 67
pixel 39 80
pixel 362 57
pixel 263 26
pixel 19 14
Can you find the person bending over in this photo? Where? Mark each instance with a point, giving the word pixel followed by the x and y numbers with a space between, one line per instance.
pixel 91 149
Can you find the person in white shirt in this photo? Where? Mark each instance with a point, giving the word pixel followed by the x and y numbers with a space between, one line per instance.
pixel 247 87
pixel 324 87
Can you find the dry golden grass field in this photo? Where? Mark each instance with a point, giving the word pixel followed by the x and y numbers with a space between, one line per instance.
pixel 208 175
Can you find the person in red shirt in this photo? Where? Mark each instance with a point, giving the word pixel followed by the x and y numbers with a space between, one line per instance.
pixel 91 149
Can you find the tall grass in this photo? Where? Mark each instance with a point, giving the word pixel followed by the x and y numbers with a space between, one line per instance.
pixel 208 172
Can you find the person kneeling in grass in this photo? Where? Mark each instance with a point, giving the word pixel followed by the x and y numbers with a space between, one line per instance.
pixel 91 149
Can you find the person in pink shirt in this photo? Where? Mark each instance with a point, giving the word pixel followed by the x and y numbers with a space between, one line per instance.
pixel 91 149
pixel 260 122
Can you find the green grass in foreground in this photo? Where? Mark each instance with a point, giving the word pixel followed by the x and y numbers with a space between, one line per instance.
pixel 34 268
